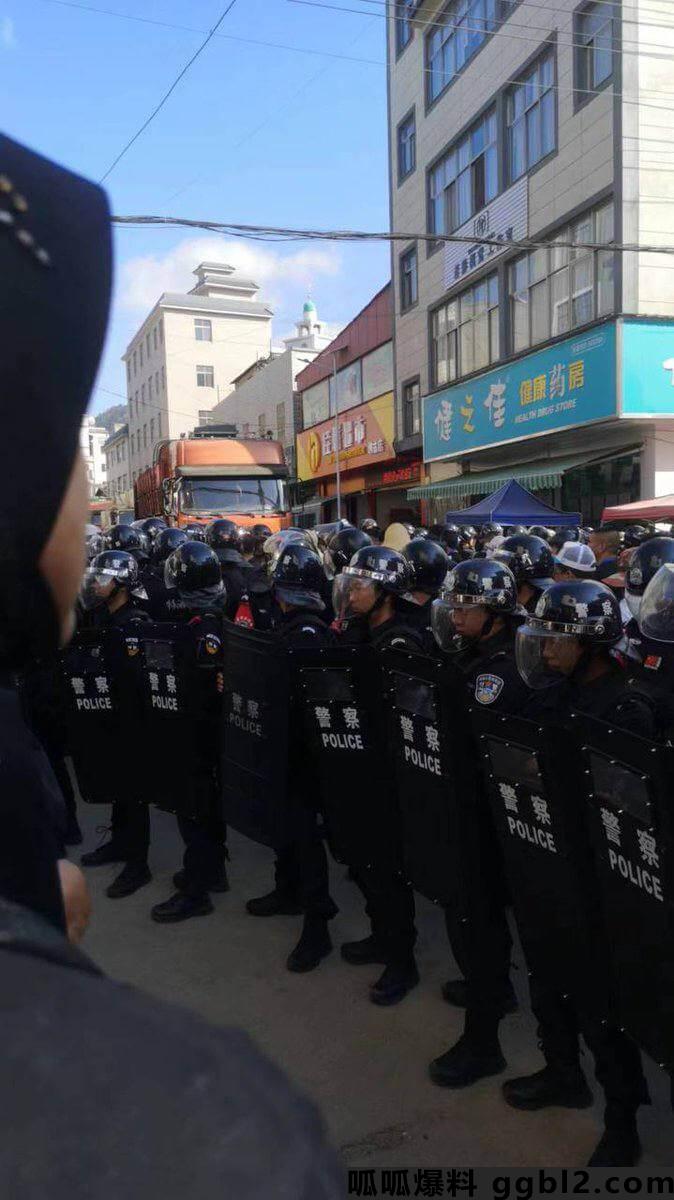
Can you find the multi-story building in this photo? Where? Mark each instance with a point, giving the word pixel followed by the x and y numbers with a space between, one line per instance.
pixel 264 400
pixel 92 440
pixel 346 407
pixel 513 121
pixel 187 353
pixel 116 451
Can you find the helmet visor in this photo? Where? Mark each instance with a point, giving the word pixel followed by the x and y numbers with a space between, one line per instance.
pixel 96 588
pixel 545 658
pixel 353 596
pixel 656 615
pixel 633 601
pixel 442 623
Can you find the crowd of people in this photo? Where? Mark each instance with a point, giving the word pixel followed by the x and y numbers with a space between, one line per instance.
pixel 541 623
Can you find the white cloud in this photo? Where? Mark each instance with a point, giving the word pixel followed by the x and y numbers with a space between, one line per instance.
pixel 7 34
pixel 142 280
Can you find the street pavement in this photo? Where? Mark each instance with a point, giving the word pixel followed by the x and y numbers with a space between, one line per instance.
pixel 364 1066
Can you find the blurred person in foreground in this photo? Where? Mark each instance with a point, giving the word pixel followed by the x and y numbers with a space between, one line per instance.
pixel 109 1092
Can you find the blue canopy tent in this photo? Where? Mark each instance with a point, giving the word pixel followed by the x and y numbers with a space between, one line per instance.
pixel 512 504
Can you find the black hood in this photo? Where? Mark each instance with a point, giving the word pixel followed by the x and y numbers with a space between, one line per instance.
pixel 55 280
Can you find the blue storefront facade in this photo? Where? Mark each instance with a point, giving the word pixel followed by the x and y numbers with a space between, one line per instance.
pixel 583 422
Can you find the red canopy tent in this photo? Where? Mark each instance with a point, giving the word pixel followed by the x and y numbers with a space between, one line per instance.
pixel 658 509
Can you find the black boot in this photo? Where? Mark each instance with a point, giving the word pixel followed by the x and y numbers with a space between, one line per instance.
pixel 455 992
pixel 132 877
pixel 109 852
pixel 274 904
pixel 314 945
pixel 221 883
pixel 466 1062
pixel 394 984
pixel 553 1087
pixel 181 907
pixel 619 1145
pixel 359 954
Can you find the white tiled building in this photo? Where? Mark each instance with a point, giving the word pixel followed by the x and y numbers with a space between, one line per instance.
pixel 92 440
pixel 511 120
pixel 116 450
pixel 187 353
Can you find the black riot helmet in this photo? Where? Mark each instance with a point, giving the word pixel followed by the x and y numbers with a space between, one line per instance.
pixel 565 533
pixel 95 544
pixel 469 532
pixel 374 573
pixel 515 563
pixel 643 565
pixel 429 565
pixel 373 530
pixel 195 531
pixel 536 564
pixel 151 526
pixel 132 540
pixel 194 567
pixel 341 548
pixel 570 620
pixel 490 530
pixel 223 534
pixel 656 615
pixel 540 531
pixel 420 531
pixel 260 532
pixel 105 575
pixel 475 583
pixel 634 535
pixel 298 577
pixel 166 541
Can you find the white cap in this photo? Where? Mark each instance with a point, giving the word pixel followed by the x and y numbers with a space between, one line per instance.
pixel 578 557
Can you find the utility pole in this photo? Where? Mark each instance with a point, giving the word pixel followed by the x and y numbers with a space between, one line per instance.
pixel 335 438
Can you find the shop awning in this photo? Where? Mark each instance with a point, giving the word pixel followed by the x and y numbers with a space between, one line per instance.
pixel 535 476
pixel 662 507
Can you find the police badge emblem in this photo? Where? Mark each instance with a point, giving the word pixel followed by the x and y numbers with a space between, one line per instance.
pixel 212 643
pixel 488 688
pixel 132 647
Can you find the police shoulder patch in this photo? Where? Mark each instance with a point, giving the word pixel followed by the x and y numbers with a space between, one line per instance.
pixel 212 643
pixel 488 688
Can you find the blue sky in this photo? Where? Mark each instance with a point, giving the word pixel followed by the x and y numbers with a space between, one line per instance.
pixel 253 134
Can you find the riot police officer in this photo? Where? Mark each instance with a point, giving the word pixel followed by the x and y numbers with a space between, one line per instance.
pixel 131 540
pixel 563 653
pixel 160 600
pixel 194 573
pixel 474 620
pixel 373 530
pixel 429 565
pixel 226 539
pixel 366 595
pixel 107 593
pixel 152 527
pixel 486 532
pixel 534 568
pixel 195 531
pixel 301 883
pixel 341 548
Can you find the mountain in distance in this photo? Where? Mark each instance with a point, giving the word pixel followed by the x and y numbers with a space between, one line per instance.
pixel 109 417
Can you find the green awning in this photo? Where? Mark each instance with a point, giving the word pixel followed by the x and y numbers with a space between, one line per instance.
pixel 533 476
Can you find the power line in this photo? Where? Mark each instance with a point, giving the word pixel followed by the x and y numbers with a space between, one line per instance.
pixel 172 88
pixel 271 233
pixel 614 4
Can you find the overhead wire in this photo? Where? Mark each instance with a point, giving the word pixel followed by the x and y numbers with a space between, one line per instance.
pixel 158 107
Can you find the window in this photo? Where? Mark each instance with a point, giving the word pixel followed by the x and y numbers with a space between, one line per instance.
pixel 140 354
pixel 142 392
pixel 163 379
pixel 243 494
pixel 409 287
pixel 262 424
pixel 136 404
pixel 147 345
pixel 555 289
pixel 407 147
pixel 454 39
pixel 281 422
pixel 154 337
pixel 594 48
pixel 135 363
pixel 128 372
pixel 205 377
pixel 145 436
pixel 411 409
pixel 158 424
pixel 203 330
pixel 161 333
pixel 465 178
pixel 149 388
pixel 404 29
pixel 531 117
pixel 152 431
pixel 464 332
pixel 156 383
pixel 133 451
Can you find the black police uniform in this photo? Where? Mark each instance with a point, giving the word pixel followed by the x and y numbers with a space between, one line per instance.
pixel 301 869
pixel 130 823
pixel 235 577
pixel 43 703
pixel 205 837
pixel 651 669
pixel 617 1060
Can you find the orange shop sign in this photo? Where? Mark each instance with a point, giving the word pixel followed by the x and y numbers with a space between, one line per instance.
pixel 365 436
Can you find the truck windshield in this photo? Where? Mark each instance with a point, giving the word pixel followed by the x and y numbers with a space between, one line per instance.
pixel 233 495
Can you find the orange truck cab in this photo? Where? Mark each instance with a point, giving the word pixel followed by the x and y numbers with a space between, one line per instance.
pixel 209 475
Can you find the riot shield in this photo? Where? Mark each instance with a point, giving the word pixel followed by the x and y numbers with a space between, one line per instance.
pixel 179 702
pixel 435 771
pixel 338 692
pixel 255 736
pixel 536 798
pixel 99 685
pixel 631 824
